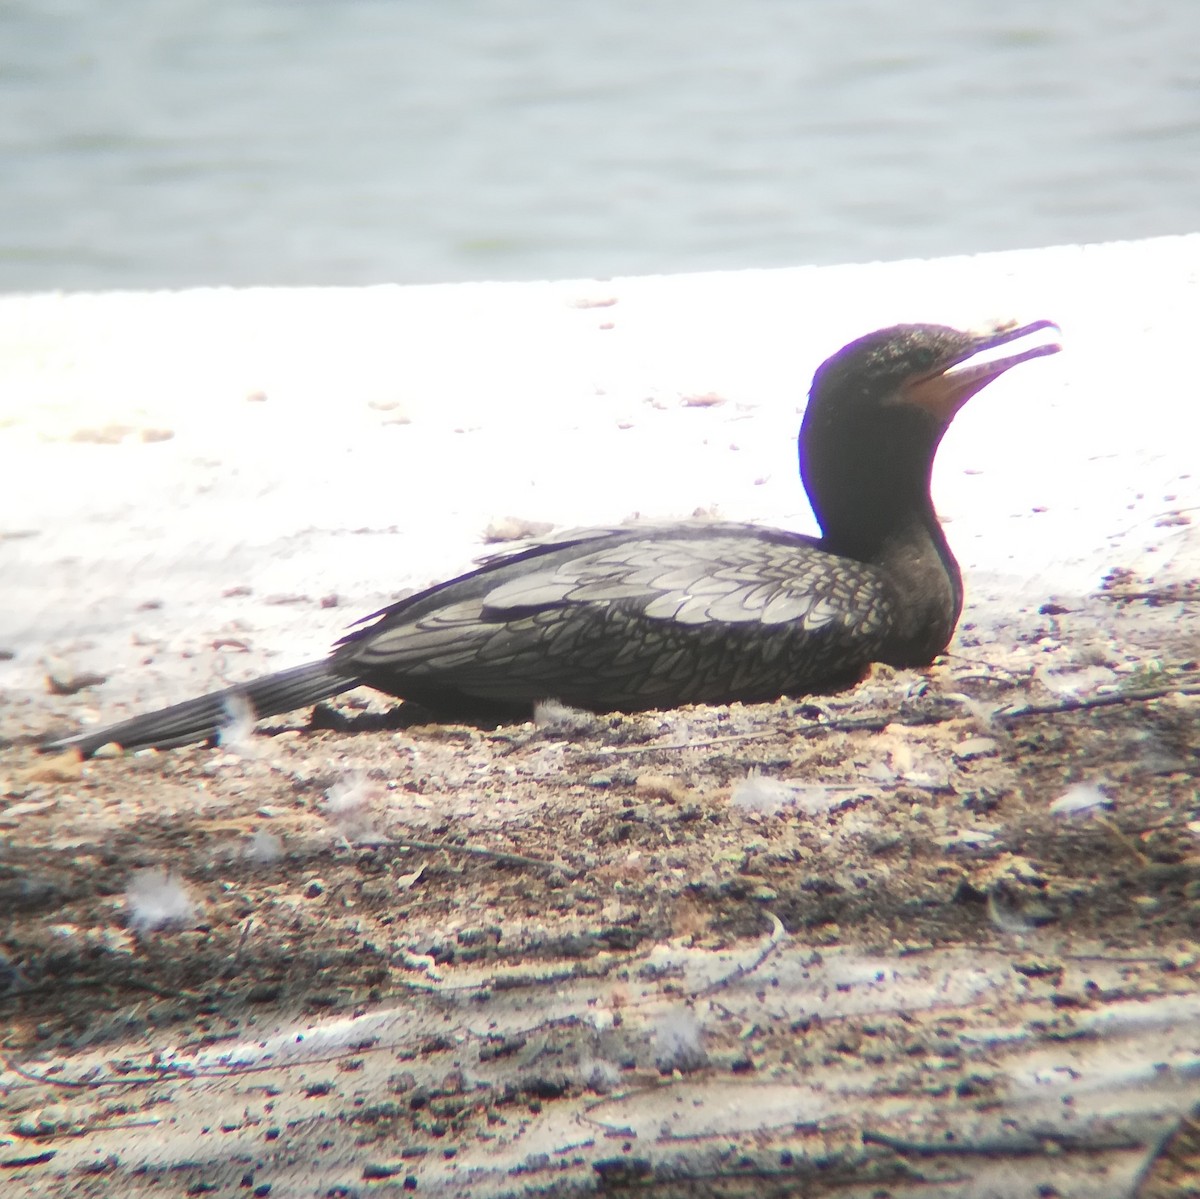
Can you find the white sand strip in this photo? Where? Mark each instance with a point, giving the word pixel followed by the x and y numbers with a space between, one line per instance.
pixel 166 449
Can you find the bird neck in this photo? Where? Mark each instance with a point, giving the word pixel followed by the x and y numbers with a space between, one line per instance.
pixel 870 495
pixel 901 536
pixel 916 559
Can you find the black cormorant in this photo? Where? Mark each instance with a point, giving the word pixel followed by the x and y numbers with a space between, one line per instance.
pixel 656 616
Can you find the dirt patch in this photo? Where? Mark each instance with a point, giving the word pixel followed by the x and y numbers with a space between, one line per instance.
pixel 845 944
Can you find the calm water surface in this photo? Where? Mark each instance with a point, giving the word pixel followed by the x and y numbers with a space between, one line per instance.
pixel 165 143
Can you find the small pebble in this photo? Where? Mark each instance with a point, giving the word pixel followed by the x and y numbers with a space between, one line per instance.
pixel 515 528
pixel 659 786
pixel 975 747
pixel 60 682
pixel 1080 799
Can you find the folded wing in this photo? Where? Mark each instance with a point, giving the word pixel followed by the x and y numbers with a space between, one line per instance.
pixel 627 618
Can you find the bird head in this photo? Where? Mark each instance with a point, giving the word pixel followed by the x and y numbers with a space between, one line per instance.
pixel 878 409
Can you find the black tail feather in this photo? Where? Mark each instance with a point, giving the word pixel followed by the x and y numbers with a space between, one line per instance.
pixel 204 717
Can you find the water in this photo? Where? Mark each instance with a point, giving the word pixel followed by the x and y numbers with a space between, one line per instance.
pixel 167 143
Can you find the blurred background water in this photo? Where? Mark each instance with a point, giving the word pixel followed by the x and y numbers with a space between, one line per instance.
pixel 168 143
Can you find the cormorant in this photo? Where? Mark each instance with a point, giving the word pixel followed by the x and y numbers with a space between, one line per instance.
pixel 656 616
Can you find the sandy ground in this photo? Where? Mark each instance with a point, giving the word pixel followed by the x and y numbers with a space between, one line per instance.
pixel 518 959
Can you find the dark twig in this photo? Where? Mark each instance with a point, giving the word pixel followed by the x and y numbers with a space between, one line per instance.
pixel 1022 1146
pixel 1108 700
pixel 774 939
pixel 495 855
pixel 876 724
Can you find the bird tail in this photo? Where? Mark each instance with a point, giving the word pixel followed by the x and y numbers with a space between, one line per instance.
pixel 204 717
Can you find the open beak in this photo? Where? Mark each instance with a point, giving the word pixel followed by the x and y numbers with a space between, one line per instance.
pixel 944 391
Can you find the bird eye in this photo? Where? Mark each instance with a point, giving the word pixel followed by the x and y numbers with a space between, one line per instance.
pixel 923 359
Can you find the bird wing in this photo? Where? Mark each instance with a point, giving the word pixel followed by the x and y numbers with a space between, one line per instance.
pixel 688 614
pixel 719 580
